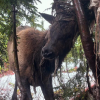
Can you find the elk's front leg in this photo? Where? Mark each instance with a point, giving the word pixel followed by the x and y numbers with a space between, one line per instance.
pixel 47 89
pixel 26 95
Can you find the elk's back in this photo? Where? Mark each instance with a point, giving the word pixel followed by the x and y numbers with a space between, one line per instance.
pixel 29 43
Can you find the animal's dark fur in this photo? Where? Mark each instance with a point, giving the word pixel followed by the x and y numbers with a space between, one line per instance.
pixel 30 43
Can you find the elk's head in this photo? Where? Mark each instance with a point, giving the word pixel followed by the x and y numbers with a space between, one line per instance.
pixel 60 34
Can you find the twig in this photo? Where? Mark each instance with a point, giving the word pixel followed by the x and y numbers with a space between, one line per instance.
pixel 88 80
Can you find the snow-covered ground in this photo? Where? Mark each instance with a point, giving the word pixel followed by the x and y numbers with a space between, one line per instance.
pixel 7 85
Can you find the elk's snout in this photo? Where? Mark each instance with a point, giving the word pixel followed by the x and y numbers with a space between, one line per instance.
pixel 47 53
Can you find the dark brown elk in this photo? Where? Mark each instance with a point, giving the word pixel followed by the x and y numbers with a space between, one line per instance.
pixel 38 52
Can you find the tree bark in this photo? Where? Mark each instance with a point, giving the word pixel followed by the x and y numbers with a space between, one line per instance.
pixel 86 39
pixel 17 74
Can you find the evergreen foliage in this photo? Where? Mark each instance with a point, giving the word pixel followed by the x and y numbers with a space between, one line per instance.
pixel 26 10
pixel 76 54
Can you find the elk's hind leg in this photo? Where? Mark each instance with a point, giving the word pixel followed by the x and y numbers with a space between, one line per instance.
pixel 47 89
pixel 14 96
pixel 26 95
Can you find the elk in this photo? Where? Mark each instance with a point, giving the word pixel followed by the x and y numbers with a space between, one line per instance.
pixel 39 51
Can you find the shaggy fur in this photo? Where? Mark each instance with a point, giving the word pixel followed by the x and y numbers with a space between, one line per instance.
pixel 30 43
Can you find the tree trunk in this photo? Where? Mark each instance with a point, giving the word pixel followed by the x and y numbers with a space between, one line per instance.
pixel 17 74
pixel 86 39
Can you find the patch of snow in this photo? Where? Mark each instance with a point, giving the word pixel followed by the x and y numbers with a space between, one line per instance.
pixel 7 85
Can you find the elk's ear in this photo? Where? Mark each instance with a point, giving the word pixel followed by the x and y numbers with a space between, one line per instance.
pixel 47 17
